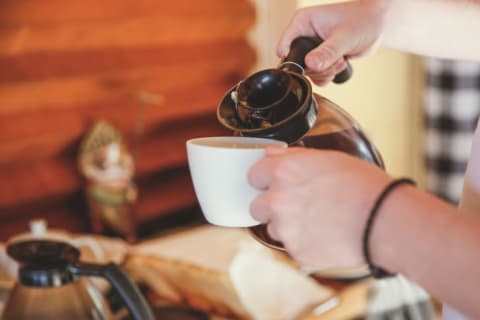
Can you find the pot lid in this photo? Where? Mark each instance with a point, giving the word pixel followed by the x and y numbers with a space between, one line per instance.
pixel 43 252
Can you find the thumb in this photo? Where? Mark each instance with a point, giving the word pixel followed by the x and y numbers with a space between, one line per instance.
pixel 335 47
pixel 284 43
pixel 299 25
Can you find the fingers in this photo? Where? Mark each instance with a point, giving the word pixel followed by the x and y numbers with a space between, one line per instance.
pixel 333 49
pixel 299 26
pixel 326 76
pixel 325 61
pixel 261 210
pixel 263 207
pixel 276 168
pixel 261 174
pixel 272 231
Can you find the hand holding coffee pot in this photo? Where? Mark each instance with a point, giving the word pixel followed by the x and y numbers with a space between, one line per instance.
pixel 280 104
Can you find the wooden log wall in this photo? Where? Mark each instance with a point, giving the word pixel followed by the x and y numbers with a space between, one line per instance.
pixel 65 64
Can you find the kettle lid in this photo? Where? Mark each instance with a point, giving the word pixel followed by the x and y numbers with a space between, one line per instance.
pixel 43 252
pixel 44 263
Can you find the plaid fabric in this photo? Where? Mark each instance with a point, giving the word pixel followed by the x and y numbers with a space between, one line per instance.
pixel 398 298
pixel 452 108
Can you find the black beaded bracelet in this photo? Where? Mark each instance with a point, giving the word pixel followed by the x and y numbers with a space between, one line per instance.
pixel 375 270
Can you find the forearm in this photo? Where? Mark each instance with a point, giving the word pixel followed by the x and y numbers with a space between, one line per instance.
pixel 439 28
pixel 427 240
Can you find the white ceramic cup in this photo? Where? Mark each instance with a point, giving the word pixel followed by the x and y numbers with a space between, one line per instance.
pixel 219 169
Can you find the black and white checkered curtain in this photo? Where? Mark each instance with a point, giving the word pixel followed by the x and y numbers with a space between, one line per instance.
pixel 452 108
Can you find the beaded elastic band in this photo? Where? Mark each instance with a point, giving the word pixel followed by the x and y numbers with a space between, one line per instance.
pixel 376 271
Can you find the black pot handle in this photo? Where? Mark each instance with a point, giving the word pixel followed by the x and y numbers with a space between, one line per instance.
pixel 298 50
pixel 123 285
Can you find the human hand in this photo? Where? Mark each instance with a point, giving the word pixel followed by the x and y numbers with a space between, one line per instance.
pixel 316 202
pixel 349 29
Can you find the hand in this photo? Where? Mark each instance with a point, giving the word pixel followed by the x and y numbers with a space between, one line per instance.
pixel 316 203
pixel 349 29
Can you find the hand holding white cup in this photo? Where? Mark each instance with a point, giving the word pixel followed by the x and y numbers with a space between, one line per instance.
pixel 219 169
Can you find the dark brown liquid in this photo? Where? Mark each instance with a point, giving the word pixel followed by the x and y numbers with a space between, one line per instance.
pixel 350 141
pixel 233 144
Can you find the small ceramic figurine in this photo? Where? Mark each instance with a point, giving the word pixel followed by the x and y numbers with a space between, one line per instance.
pixel 109 169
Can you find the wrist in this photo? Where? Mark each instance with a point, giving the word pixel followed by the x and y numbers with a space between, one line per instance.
pixel 379 247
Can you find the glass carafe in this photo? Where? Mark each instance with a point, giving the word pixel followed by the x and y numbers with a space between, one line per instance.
pixel 280 104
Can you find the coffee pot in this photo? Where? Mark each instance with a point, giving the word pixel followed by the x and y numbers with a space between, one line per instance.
pixel 279 104
pixel 50 285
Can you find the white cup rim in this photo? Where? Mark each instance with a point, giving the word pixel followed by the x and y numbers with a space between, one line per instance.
pixel 261 141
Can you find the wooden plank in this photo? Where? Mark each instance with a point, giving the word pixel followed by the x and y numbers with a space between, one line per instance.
pixel 123 33
pixel 68 214
pixel 53 178
pixel 78 92
pixel 165 193
pixel 167 148
pixel 34 184
pixel 35 12
pixel 41 135
pixel 39 66
pixel 66 63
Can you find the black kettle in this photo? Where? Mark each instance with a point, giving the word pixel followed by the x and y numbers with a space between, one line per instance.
pixel 280 104
pixel 49 285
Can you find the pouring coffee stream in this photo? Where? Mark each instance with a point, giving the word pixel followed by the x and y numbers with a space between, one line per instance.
pixel 280 104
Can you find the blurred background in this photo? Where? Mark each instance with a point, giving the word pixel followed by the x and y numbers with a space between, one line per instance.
pixel 154 71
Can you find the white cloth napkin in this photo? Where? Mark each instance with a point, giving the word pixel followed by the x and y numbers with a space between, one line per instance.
pixel 267 286
pixel 270 289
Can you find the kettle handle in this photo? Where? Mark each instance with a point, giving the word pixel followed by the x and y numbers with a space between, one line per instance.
pixel 299 48
pixel 123 285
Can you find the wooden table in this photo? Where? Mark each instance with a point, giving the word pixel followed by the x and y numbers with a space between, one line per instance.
pixel 188 247
pixel 351 301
